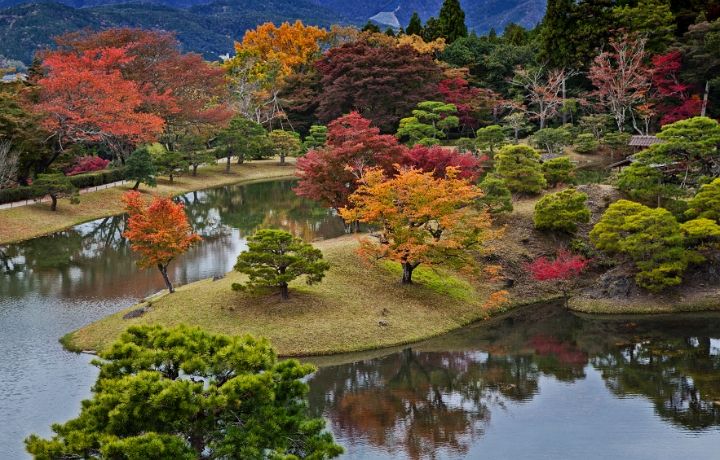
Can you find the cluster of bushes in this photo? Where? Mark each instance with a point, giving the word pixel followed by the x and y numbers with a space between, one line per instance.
pixel 85 180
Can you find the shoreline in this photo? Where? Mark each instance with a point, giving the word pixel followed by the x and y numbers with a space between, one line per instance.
pixel 36 220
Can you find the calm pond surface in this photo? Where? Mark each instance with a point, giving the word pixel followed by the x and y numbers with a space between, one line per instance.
pixel 538 383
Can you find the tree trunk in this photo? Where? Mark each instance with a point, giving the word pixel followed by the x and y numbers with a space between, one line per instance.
pixel 352 227
pixel 227 166
pixel 564 291
pixel 53 206
pixel 703 111
pixel 195 167
pixel 282 159
pixel 407 271
pixel 171 178
pixel 517 141
pixel 284 292
pixel 163 270
pixel 564 109
pixel 137 184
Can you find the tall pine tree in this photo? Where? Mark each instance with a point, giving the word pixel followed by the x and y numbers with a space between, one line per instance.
pixel 556 38
pixel 452 21
pixel 415 26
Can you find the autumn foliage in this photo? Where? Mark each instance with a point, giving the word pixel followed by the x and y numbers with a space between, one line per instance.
pixel 437 160
pixel 562 270
pixel 86 164
pixel 159 232
pixel 422 219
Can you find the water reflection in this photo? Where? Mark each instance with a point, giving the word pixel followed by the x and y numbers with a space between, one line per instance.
pixel 56 284
pixel 438 398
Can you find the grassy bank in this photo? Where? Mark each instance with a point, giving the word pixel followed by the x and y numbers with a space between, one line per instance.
pixel 356 307
pixel 35 220
pixel 648 305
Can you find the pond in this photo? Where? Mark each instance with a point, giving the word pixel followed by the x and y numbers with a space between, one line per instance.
pixel 538 383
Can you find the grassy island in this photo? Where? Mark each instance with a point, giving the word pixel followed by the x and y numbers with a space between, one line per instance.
pixel 26 222
pixel 357 307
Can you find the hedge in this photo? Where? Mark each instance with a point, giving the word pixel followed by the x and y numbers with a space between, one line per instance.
pixel 84 180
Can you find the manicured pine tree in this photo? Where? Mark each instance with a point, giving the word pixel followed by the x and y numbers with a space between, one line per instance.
pixel 139 167
pixel 415 26
pixel 452 21
pixel 519 167
pixel 57 186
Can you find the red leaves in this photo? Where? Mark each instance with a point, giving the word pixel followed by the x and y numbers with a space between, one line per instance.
pixel 437 159
pixel 677 102
pixel 159 232
pixel 87 100
pixel 87 164
pixel 564 267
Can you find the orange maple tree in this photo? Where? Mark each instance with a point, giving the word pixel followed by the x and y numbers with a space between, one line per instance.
pixel 422 219
pixel 159 231
pixel 86 100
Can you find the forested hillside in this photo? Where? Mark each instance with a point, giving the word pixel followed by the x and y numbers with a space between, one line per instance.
pixel 206 29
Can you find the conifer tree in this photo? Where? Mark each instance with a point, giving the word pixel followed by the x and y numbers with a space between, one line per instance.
pixel 519 168
pixel 452 21
pixel 140 167
pixel 415 26
pixel 561 211
pixel 556 46
pixel 57 186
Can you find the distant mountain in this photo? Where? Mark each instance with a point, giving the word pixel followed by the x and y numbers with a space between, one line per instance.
pixel 480 15
pixel 208 29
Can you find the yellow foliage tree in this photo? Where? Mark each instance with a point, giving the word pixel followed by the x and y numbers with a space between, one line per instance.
pixel 434 47
pixel 422 219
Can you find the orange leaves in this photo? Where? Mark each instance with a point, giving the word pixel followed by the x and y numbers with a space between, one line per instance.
pixel 159 232
pixel 291 46
pixel 87 100
pixel 423 219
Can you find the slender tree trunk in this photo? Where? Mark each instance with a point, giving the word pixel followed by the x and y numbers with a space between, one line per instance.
pixel 352 227
pixel 282 159
pixel 163 270
pixel 517 141
pixel 195 167
pixel 407 271
pixel 284 292
pixel 171 178
pixel 564 109
pixel 565 296
pixel 137 184
pixel 53 206
pixel 703 111
pixel 227 166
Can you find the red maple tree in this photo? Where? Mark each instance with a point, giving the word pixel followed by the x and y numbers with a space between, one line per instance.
pixel 329 175
pixel 677 101
pixel 86 164
pixel 86 100
pixel 562 270
pixel 437 159
pixel 159 232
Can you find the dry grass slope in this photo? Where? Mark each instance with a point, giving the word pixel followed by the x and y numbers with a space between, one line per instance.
pixel 342 314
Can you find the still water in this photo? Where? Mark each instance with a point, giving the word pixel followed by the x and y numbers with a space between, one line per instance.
pixel 538 383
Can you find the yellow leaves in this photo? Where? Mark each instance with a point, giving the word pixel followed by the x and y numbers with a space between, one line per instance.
pixel 434 47
pixel 290 46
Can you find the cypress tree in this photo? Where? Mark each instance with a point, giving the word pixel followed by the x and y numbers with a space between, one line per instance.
pixel 415 26
pixel 452 21
pixel 556 46
pixel 370 27
pixel 389 32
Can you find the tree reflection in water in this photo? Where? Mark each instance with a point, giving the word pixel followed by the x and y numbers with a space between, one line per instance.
pixel 438 396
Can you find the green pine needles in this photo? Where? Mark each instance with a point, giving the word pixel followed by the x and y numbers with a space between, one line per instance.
pixel 274 258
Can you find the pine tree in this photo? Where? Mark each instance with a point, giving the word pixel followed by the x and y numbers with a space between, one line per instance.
pixel 556 45
pixel 389 32
pixel 140 167
pixel 519 168
pixel 561 211
pixel 57 186
pixel 415 26
pixel 370 27
pixel 452 21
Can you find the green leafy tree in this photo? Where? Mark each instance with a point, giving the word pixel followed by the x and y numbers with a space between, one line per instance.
pixel 317 136
pixel 595 124
pixel 274 258
pixel 432 30
pixel 285 144
pixel 244 139
pixel 701 232
pixel 586 143
pixel 706 204
pixel 557 171
pixel 172 163
pixel 415 26
pixel 193 148
pixel 370 27
pixel 617 142
pixel 650 18
pixel 490 138
pixel 431 120
pixel 183 393
pixel 496 195
pixel 519 167
pixel 57 186
pixel 562 211
pixel 653 239
pixel 140 167
pixel 452 21
pixel 552 140
pixel 517 122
